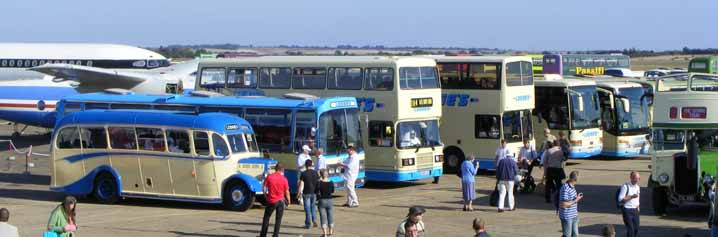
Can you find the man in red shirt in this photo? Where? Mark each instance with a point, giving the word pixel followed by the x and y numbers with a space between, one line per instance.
pixel 276 189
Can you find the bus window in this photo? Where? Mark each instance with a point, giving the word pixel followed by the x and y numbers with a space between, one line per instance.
pixel 236 142
pixel 486 126
pixel 450 78
pixel 131 106
pixel 526 126
pixel 89 106
pixel 417 78
pixel 242 78
pixel 527 74
pixel 220 147
pixel 93 138
pixel 182 108
pixel 305 130
pixel 251 142
pixel 554 106
pixel 338 129
pixel 704 83
pixel 201 143
pixel 275 78
pixel 512 126
pixel 513 74
pixel 345 78
pixel 381 133
pixel 177 141
pixel 151 139
pixel 309 78
pixel 418 134
pixel 380 79
pixel 487 75
pixel 272 128
pixel 212 78
pixel 122 138
pixel 69 138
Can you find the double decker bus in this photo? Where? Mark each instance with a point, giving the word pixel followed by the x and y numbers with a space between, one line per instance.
pixel 282 126
pixel 684 161
pixel 496 95
pixel 625 117
pixel 707 64
pixel 207 158
pixel 537 63
pixel 583 64
pixel 398 96
pixel 573 107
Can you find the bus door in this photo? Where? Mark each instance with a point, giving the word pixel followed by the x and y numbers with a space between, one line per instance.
pixel 206 180
pixel 182 167
pixel 608 118
pixel 124 157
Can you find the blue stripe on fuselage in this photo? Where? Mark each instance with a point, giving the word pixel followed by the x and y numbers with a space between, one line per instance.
pixel 35 92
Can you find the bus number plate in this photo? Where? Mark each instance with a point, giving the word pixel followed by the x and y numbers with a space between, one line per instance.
pixel 422 102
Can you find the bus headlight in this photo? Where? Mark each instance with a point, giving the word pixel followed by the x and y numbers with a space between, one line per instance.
pixel 439 158
pixel 663 178
pixel 407 162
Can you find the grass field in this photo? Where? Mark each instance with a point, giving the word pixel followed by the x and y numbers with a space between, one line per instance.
pixel 669 61
pixel 709 161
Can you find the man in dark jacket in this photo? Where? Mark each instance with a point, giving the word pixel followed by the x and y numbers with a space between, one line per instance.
pixel 505 175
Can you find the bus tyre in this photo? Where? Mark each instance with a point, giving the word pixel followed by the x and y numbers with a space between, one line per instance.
pixel 453 160
pixel 237 196
pixel 659 200
pixel 105 190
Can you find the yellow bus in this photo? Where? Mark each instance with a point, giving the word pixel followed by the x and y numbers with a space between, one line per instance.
pixel 570 106
pixel 208 158
pixel 399 99
pixel 492 95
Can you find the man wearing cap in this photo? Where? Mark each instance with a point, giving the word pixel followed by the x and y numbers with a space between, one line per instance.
pixel 548 138
pixel 415 216
pixel 568 206
pixel 350 174
pixel 303 157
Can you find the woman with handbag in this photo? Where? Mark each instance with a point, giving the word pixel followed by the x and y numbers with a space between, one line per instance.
pixel 62 219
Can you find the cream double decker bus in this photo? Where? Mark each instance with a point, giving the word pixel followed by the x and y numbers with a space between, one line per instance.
pixel 398 96
pixel 208 158
pixel 486 98
pixel 570 106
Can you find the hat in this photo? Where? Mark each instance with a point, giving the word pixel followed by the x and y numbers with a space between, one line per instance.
pixel 416 210
pixel 306 148
pixel 547 130
pixel 351 146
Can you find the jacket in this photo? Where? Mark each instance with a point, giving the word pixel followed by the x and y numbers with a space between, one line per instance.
pixel 507 170
pixel 58 221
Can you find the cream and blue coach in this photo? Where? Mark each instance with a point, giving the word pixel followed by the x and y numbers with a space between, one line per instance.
pixel 207 158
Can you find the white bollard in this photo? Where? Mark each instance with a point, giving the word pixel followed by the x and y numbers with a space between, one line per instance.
pixel 12 158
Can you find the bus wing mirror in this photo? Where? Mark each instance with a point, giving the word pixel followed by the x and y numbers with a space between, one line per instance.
pixel 580 103
pixel 626 105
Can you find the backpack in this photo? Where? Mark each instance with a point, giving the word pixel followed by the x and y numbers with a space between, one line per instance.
pixel 619 204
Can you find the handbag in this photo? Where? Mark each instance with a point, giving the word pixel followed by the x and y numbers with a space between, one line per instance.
pixel 50 234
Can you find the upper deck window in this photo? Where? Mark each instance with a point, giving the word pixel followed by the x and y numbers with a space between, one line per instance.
pixel 470 76
pixel 242 78
pixel 309 78
pixel 212 78
pixel 519 74
pixel 275 78
pixel 411 78
pixel 379 79
pixel 345 78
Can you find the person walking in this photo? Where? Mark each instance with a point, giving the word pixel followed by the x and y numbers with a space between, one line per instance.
pixel 480 228
pixel 308 182
pixel 6 229
pixel 629 199
pixel 468 173
pixel 568 206
pixel 505 176
pixel 350 174
pixel 553 170
pixel 303 157
pixel 276 188
pixel 326 205
pixel 62 218
pixel 415 217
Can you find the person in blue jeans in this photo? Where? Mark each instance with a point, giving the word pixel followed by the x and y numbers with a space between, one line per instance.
pixel 326 205
pixel 568 206
pixel 308 181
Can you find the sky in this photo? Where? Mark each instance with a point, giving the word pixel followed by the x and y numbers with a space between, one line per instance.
pixel 505 24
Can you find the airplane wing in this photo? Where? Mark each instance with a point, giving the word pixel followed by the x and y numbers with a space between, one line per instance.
pixel 92 76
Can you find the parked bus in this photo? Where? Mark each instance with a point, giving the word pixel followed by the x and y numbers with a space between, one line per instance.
pixel 282 126
pixel 704 65
pixel 208 158
pixel 399 99
pixel 571 106
pixel 496 95
pixel 537 63
pixel 583 64
pixel 625 117
pixel 684 161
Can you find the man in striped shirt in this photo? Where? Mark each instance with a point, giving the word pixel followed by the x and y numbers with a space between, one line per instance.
pixel 568 206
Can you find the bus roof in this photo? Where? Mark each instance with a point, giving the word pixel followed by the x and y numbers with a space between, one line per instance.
pixel 228 101
pixel 492 58
pixel 320 60
pixel 618 84
pixel 218 122
pixel 564 83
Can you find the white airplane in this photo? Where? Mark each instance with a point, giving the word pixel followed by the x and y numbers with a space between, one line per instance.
pixel 33 77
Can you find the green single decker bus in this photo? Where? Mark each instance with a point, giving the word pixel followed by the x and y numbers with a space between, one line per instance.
pixel 707 64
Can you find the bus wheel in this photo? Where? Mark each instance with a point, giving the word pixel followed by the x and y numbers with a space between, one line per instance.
pixel 453 160
pixel 105 190
pixel 237 196
pixel 659 200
